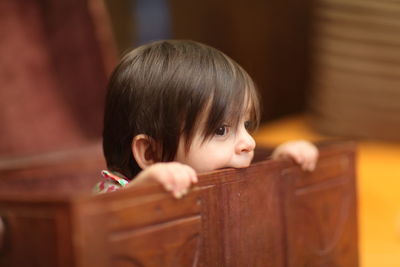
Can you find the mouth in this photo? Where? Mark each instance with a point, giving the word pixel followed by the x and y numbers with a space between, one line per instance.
pixel 240 166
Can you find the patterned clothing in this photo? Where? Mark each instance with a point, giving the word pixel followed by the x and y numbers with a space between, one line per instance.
pixel 112 182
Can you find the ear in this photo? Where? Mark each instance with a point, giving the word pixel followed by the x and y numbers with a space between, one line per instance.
pixel 144 150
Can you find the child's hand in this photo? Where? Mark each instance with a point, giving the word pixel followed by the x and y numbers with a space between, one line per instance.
pixel 174 176
pixel 302 152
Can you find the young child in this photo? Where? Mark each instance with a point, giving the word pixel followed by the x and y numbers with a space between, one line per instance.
pixel 178 108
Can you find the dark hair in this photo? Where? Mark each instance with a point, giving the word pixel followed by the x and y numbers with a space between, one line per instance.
pixel 161 89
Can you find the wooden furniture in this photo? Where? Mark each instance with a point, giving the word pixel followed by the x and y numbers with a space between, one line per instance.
pixel 270 214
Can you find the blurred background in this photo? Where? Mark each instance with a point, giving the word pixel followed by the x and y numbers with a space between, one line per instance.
pixel 325 69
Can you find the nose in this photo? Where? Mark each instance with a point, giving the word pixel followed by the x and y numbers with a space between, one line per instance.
pixel 245 142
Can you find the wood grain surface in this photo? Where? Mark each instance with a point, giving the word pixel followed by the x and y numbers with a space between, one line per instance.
pixel 270 214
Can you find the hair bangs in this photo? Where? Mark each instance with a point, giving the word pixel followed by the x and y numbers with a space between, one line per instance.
pixel 234 96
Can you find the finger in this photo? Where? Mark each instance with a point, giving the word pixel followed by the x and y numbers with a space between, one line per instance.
pixel 285 154
pixel 313 152
pixel 307 166
pixel 189 178
pixel 192 174
pixel 312 161
pixel 174 176
pixel 308 159
pixel 167 179
pixel 184 191
pixel 298 158
pixel 182 178
pixel 177 194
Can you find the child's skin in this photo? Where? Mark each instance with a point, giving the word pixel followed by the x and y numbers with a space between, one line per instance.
pixel 227 148
pixel 175 109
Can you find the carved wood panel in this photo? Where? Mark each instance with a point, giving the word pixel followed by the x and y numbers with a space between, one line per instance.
pixel 150 230
pixel 249 209
pixel 35 235
pixel 270 214
pixel 320 214
pixel 179 244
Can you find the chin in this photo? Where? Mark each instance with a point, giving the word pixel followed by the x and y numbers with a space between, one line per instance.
pixel 243 165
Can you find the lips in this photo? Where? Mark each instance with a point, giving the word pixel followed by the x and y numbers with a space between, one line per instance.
pixel 242 163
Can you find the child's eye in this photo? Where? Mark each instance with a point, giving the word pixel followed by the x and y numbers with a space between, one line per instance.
pixel 222 130
pixel 249 125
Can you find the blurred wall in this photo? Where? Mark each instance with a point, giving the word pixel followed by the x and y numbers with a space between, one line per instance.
pixel 52 75
pixel 356 68
pixel 123 22
pixel 270 39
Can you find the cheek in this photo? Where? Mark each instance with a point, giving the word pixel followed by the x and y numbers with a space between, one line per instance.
pixel 216 157
pixel 209 164
pixel 205 159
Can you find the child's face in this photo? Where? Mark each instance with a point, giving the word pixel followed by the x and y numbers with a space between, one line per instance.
pixel 228 147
